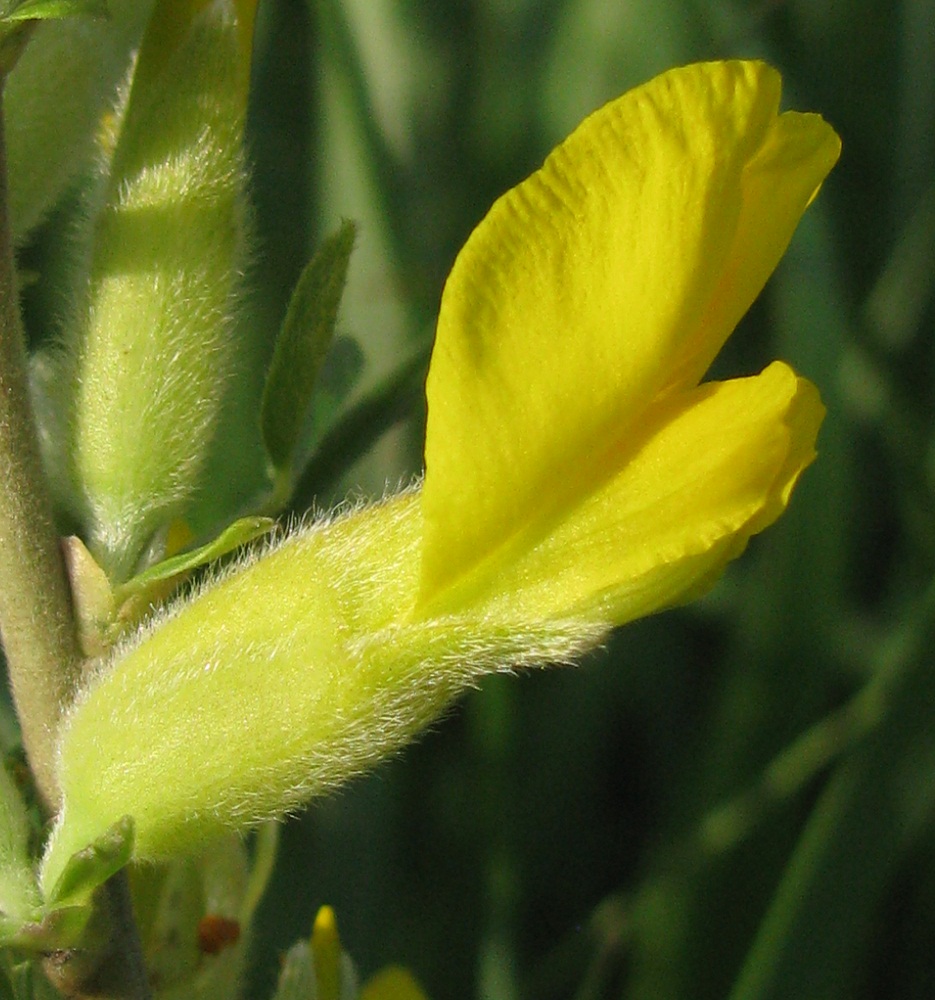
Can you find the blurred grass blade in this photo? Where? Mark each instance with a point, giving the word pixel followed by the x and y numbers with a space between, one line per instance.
pixel 896 305
pixel 302 344
pixel 811 941
pixel 337 39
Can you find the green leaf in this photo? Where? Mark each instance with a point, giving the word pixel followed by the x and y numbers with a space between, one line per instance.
pixel 302 343
pixel 153 581
pixel 92 866
pixel 19 894
pixel 55 10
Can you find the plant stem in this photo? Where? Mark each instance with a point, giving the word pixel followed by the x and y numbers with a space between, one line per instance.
pixel 36 621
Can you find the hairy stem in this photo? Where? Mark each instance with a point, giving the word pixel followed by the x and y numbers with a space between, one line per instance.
pixel 36 621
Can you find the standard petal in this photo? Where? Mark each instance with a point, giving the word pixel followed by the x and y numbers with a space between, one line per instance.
pixel 611 275
pixel 708 469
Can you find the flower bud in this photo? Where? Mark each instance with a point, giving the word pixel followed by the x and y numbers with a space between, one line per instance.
pixel 150 342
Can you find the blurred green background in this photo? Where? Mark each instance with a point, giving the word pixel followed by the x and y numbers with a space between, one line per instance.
pixel 730 800
pixel 557 836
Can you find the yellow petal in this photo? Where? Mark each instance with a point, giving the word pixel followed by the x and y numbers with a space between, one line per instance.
pixel 610 276
pixel 707 469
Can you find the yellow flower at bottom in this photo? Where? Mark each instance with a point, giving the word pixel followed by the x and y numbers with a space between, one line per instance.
pixel 577 476
pixel 392 983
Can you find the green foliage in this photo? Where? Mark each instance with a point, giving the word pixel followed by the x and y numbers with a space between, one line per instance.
pixel 22 980
pixel 301 346
pixel 150 586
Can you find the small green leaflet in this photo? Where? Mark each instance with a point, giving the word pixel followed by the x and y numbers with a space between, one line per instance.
pixel 244 530
pixel 302 344
pixel 92 866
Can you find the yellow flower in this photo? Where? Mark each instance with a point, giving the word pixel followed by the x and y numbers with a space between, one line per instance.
pixel 568 443
pixel 577 476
